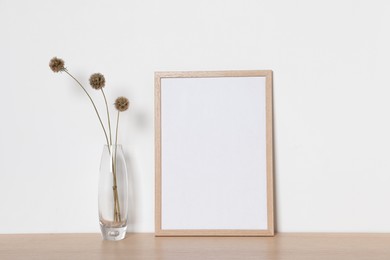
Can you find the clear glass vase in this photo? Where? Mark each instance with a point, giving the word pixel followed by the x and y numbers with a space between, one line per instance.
pixel 113 193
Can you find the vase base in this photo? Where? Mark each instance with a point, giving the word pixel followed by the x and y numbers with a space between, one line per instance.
pixel 110 233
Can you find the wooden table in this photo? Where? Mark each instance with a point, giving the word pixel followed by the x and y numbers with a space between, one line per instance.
pixel 146 246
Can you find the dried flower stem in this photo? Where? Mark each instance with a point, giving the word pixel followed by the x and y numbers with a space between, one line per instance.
pixel 116 134
pixel 114 187
pixel 116 146
pixel 117 215
pixel 93 103
pixel 108 116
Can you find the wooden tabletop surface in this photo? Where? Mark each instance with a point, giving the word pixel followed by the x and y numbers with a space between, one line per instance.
pixel 146 246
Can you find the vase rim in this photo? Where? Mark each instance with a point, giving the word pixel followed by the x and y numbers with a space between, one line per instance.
pixel 106 145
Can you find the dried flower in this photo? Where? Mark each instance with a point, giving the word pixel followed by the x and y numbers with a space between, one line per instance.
pixel 57 64
pixel 97 81
pixel 122 104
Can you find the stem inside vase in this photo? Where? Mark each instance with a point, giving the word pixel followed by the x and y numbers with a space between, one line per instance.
pixel 113 193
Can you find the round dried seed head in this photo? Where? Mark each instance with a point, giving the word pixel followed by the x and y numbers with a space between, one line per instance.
pixel 122 104
pixel 57 64
pixel 97 81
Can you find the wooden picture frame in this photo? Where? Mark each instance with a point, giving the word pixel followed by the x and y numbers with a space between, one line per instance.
pixel 214 153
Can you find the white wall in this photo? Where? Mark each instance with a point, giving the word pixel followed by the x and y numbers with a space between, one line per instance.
pixel 331 95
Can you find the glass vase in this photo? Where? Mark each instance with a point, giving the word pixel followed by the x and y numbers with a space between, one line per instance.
pixel 113 193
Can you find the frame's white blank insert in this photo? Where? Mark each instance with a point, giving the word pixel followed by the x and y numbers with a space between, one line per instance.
pixel 213 153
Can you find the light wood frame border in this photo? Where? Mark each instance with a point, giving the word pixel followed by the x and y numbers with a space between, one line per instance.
pixel 269 153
